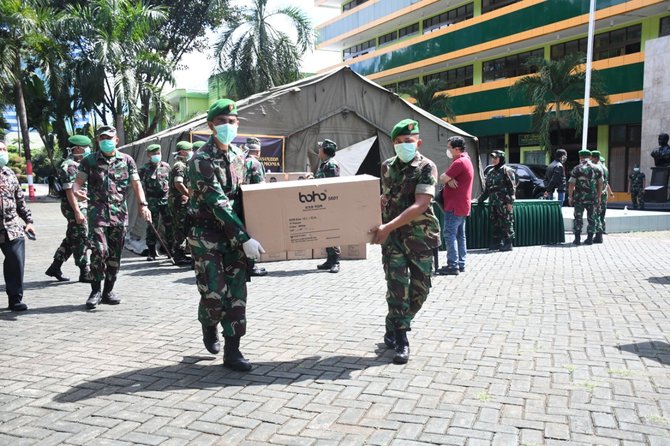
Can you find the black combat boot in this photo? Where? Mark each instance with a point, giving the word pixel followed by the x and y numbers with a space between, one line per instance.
pixel 327 265
pixel 210 338
pixel 494 244
pixel 180 258
pixel 15 303
pixel 258 271
pixel 95 296
pixel 109 297
pixel 54 271
pixel 85 274
pixel 577 240
pixel 401 347
pixel 507 245
pixel 389 339
pixel 598 238
pixel 152 254
pixel 335 267
pixel 589 239
pixel 232 356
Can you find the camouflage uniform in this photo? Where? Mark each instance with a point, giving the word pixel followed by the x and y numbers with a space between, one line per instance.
pixel 637 189
pixel 217 235
pixel 500 189
pixel 109 179
pixel 600 209
pixel 178 207
pixel 328 169
pixel 254 172
pixel 155 181
pixel 407 253
pixel 76 235
pixel 585 177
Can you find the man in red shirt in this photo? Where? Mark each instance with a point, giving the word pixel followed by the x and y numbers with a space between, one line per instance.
pixel 456 197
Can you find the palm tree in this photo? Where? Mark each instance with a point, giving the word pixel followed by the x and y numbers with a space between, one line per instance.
pixel 432 98
pixel 256 51
pixel 555 91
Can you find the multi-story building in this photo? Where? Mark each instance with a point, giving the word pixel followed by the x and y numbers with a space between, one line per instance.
pixel 480 49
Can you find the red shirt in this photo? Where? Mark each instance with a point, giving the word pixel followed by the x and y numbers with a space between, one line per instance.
pixel 458 200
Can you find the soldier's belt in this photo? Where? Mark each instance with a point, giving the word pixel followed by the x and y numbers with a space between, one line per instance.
pixel 206 224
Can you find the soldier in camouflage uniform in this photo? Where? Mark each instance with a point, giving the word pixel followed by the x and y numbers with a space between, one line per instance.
pixel 155 178
pixel 109 175
pixel 328 168
pixel 178 201
pixel 220 245
pixel 254 173
pixel 584 189
pixel 76 236
pixel 601 226
pixel 12 241
pixel 500 189
pixel 408 234
pixel 636 187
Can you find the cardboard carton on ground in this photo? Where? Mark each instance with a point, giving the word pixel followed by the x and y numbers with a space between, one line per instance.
pixel 273 257
pixel 308 214
pixel 301 254
pixel 354 252
pixel 286 176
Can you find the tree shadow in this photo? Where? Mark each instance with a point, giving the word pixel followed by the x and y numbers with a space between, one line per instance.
pixel 157 270
pixel 291 272
pixel 191 374
pixel 662 280
pixel 659 351
pixel 8 315
pixel 40 284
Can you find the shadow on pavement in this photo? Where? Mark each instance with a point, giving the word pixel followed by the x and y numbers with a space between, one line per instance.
pixel 292 272
pixel 156 270
pixel 40 284
pixel 191 374
pixel 6 314
pixel 659 351
pixel 663 280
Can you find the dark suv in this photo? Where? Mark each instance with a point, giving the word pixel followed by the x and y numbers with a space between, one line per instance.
pixel 529 179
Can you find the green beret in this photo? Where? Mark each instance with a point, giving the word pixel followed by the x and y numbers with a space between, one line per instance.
pixel 198 144
pixel 595 153
pixel 584 152
pixel 405 127
pixel 184 145
pixel 221 107
pixel 153 147
pixel 79 141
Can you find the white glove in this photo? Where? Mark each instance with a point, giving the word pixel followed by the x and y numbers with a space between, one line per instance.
pixel 253 249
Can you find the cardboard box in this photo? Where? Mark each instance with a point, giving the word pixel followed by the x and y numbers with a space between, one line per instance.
pixel 274 177
pixel 354 252
pixel 308 214
pixel 272 257
pixel 299 255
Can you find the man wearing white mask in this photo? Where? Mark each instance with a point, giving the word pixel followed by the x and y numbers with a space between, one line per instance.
pixel 155 178
pixel 220 244
pixel 178 201
pixel 75 242
pixel 408 234
pixel 110 175
pixel 12 243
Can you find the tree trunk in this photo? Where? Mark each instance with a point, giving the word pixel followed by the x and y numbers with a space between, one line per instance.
pixel 118 123
pixel 20 104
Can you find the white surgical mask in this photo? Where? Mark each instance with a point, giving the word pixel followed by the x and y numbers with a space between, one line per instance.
pixel 155 159
pixel 406 151
pixel 449 155
pixel 4 159
pixel 225 133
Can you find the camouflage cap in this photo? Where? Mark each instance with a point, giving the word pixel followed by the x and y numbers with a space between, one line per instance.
pixel 222 107
pixel 497 153
pixel 153 148
pixel 253 144
pixel 595 153
pixel 584 152
pixel 405 127
pixel 79 141
pixel 198 144
pixel 253 140
pixel 329 147
pixel 184 145
pixel 106 130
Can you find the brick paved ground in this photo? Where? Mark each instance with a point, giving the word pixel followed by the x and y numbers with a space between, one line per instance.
pixel 544 345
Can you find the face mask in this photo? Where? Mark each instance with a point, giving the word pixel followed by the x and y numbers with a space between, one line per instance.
pixel 449 155
pixel 107 145
pixel 636 169
pixel 4 159
pixel 155 159
pixel 86 152
pixel 225 133
pixel 406 151
pixel 189 156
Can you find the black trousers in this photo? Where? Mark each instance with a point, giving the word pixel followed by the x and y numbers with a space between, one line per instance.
pixel 13 266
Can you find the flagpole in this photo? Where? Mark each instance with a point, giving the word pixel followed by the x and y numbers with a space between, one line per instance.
pixel 587 81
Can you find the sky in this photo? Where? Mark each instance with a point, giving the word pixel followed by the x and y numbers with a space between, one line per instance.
pixel 200 65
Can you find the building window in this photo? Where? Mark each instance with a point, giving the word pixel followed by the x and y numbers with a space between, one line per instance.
pixel 511 66
pixel 456 78
pixel 359 50
pixel 386 38
pixel 408 30
pixel 605 45
pixel 406 85
pixel 448 18
pixel 624 152
pixel 665 27
pixel 352 4
pixel 492 5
